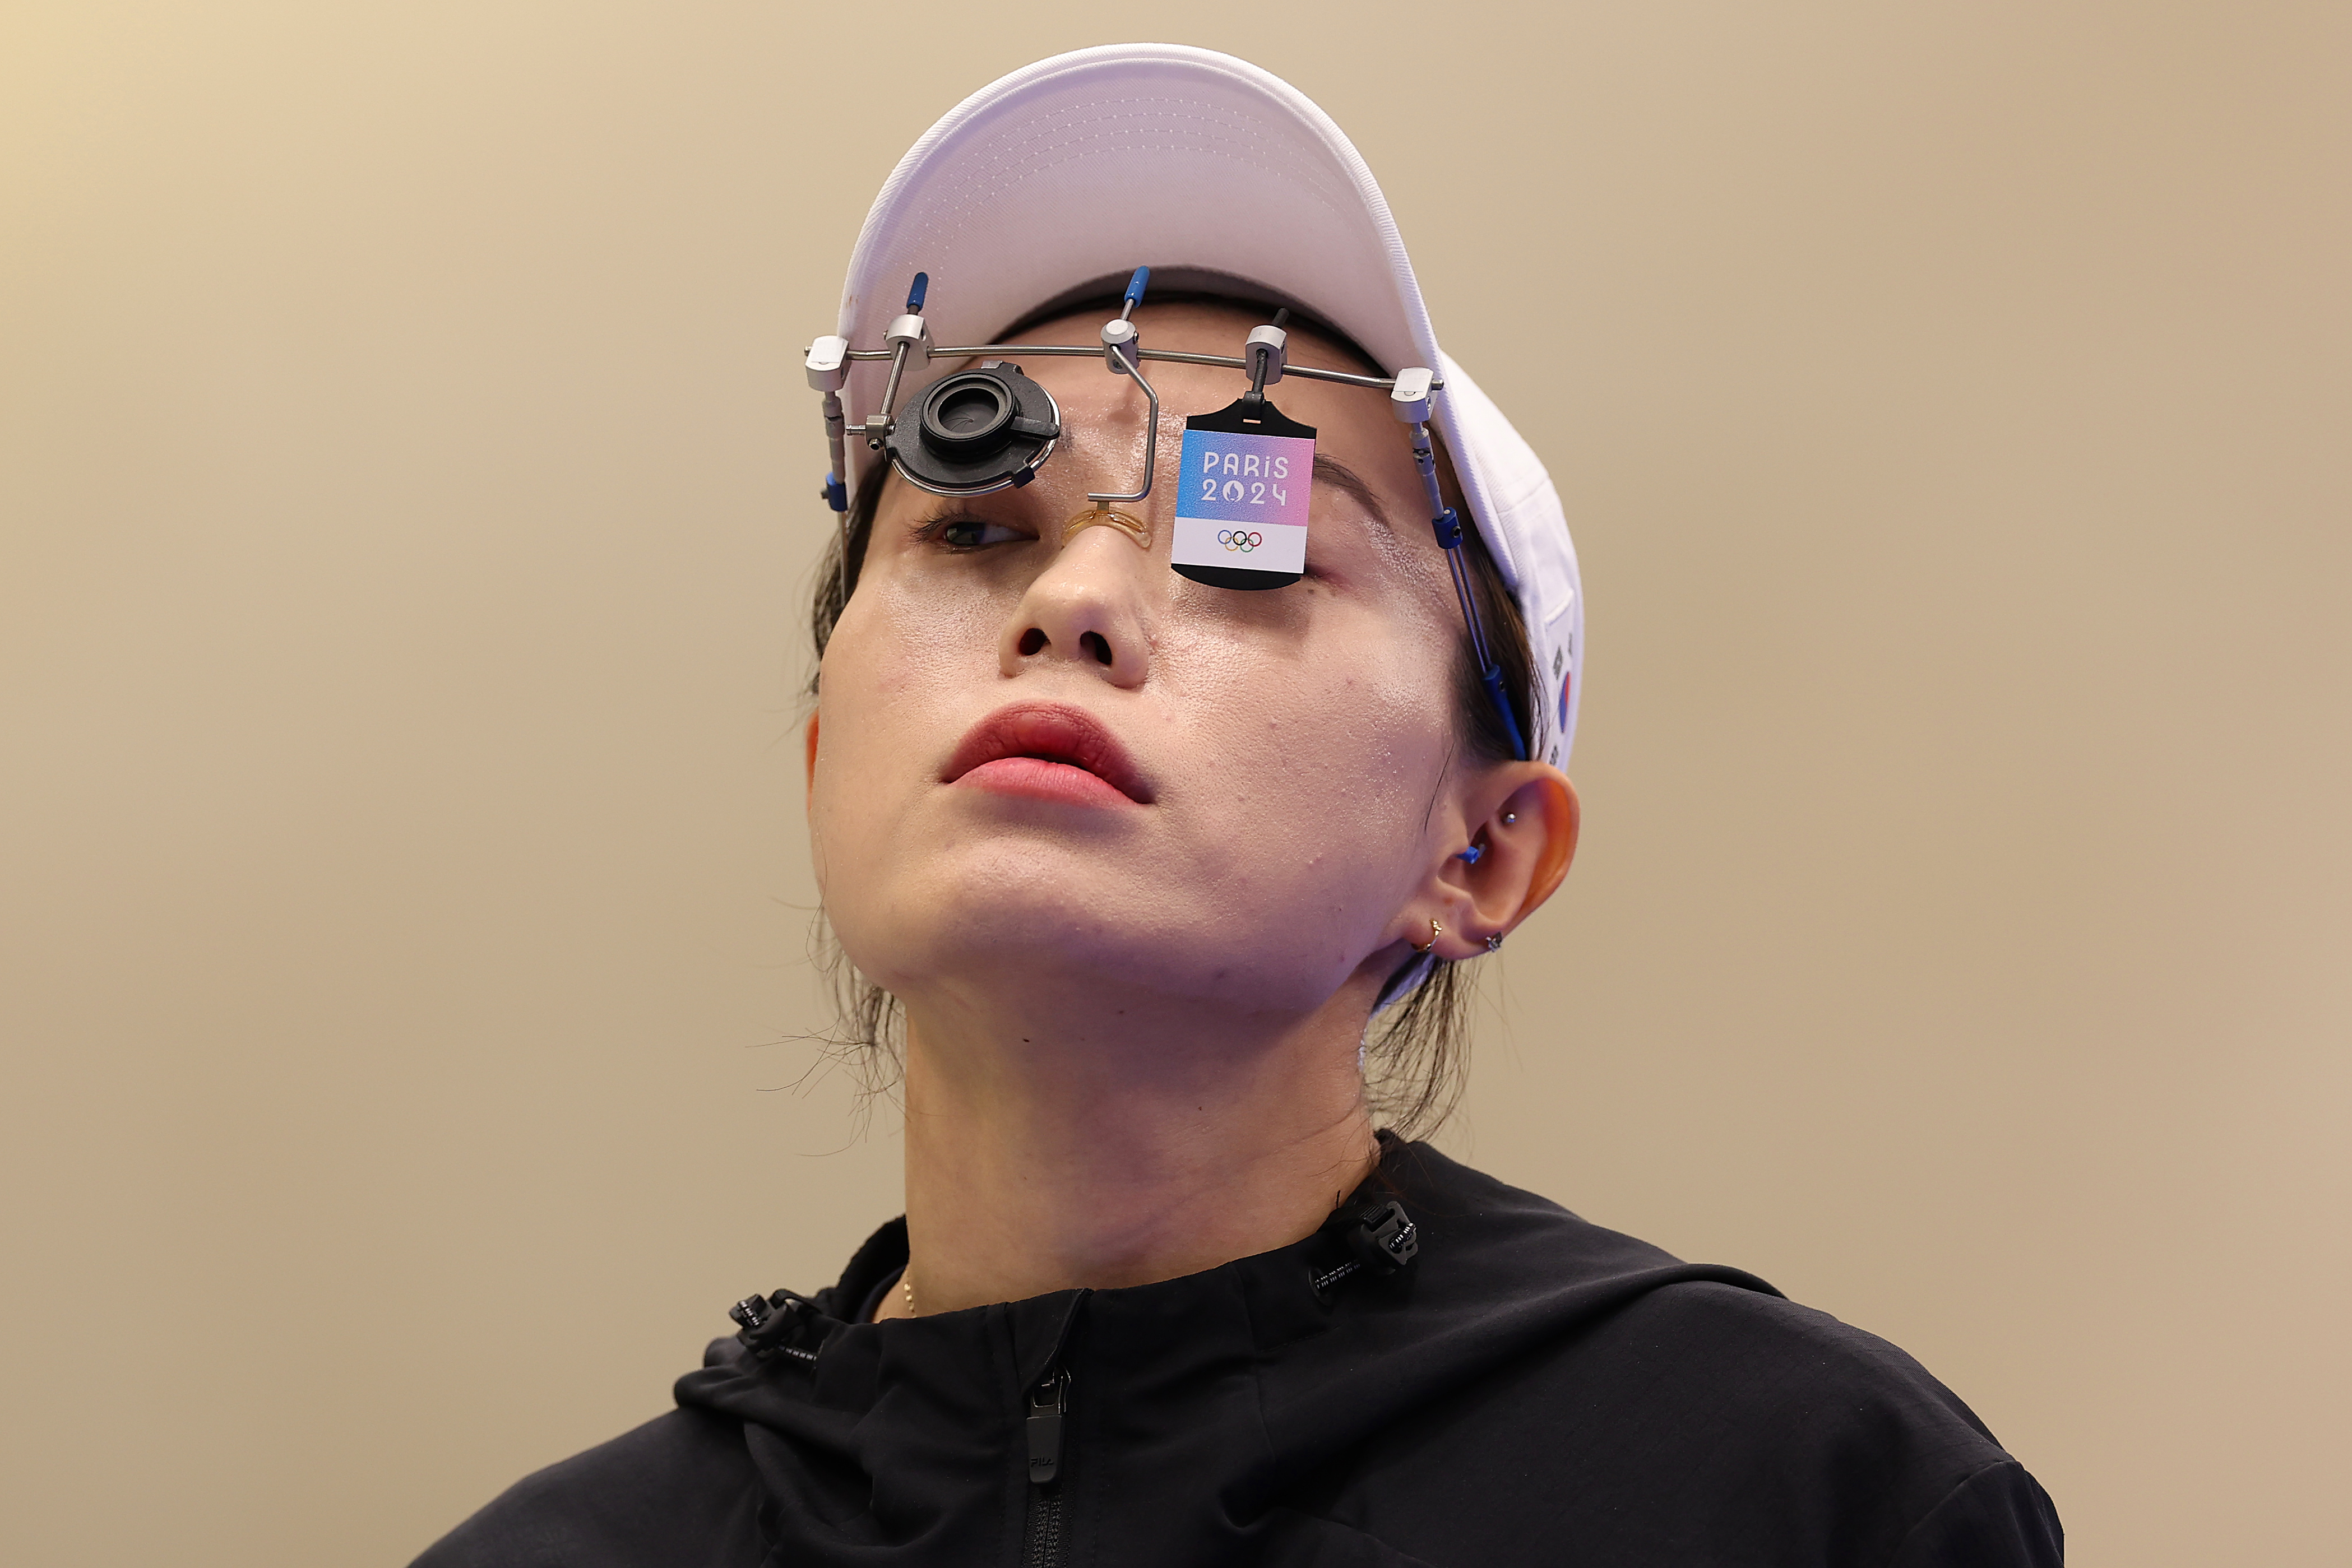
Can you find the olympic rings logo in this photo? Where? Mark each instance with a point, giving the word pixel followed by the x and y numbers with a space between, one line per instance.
pixel 1240 539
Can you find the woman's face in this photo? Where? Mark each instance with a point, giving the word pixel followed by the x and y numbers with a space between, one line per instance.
pixel 1041 756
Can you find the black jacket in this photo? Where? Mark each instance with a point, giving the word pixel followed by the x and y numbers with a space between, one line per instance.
pixel 1529 1389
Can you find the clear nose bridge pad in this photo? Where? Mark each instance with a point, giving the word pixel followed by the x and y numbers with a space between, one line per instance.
pixel 976 431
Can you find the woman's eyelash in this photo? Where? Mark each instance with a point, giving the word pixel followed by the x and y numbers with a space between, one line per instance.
pixel 946 530
pixel 935 531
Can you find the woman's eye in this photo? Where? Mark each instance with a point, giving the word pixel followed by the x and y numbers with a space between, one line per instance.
pixel 970 533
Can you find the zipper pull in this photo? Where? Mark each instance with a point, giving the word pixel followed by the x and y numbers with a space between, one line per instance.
pixel 1048 1403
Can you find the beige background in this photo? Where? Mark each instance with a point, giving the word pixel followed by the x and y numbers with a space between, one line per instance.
pixel 408 496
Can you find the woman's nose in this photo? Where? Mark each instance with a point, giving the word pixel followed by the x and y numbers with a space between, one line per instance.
pixel 1082 608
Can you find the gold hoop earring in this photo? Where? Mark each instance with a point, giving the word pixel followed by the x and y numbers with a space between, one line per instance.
pixel 1435 931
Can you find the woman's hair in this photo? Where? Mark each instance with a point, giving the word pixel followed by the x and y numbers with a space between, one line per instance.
pixel 1417 1050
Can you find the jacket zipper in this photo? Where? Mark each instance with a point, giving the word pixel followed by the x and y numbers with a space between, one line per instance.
pixel 1049 1405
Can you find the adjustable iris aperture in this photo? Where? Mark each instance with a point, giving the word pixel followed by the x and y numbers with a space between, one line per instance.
pixel 967 415
pixel 977 431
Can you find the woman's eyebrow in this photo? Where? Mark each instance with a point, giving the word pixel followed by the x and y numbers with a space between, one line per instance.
pixel 1338 475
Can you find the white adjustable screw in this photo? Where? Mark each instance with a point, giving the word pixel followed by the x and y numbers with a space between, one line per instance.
pixel 1266 352
pixel 828 365
pixel 1409 399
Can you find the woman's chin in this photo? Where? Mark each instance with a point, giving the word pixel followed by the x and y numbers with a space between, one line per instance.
pixel 1018 909
pixel 1012 953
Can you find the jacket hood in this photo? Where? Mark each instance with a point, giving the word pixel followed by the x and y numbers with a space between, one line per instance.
pixel 1207 1406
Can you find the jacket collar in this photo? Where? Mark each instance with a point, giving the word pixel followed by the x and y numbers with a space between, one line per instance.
pixel 1197 1405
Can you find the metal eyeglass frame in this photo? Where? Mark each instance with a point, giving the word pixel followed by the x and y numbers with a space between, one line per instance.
pixel 1410 390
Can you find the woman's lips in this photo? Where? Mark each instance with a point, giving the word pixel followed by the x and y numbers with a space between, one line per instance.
pixel 1046 751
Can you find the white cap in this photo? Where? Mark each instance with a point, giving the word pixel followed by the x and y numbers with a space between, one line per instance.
pixel 1089 164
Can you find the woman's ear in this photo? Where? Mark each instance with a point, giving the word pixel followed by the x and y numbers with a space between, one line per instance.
pixel 1526 818
pixel 811 735
pixel 1549 802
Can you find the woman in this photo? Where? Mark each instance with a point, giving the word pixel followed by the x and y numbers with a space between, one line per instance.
pixel 1167 878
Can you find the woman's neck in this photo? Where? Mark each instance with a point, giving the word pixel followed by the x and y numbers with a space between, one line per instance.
pixel 1046 1152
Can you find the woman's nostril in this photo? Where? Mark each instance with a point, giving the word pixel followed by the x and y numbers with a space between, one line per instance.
pixel 1093 644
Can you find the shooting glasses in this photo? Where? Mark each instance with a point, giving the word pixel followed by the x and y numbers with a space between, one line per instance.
pixel 1240 523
